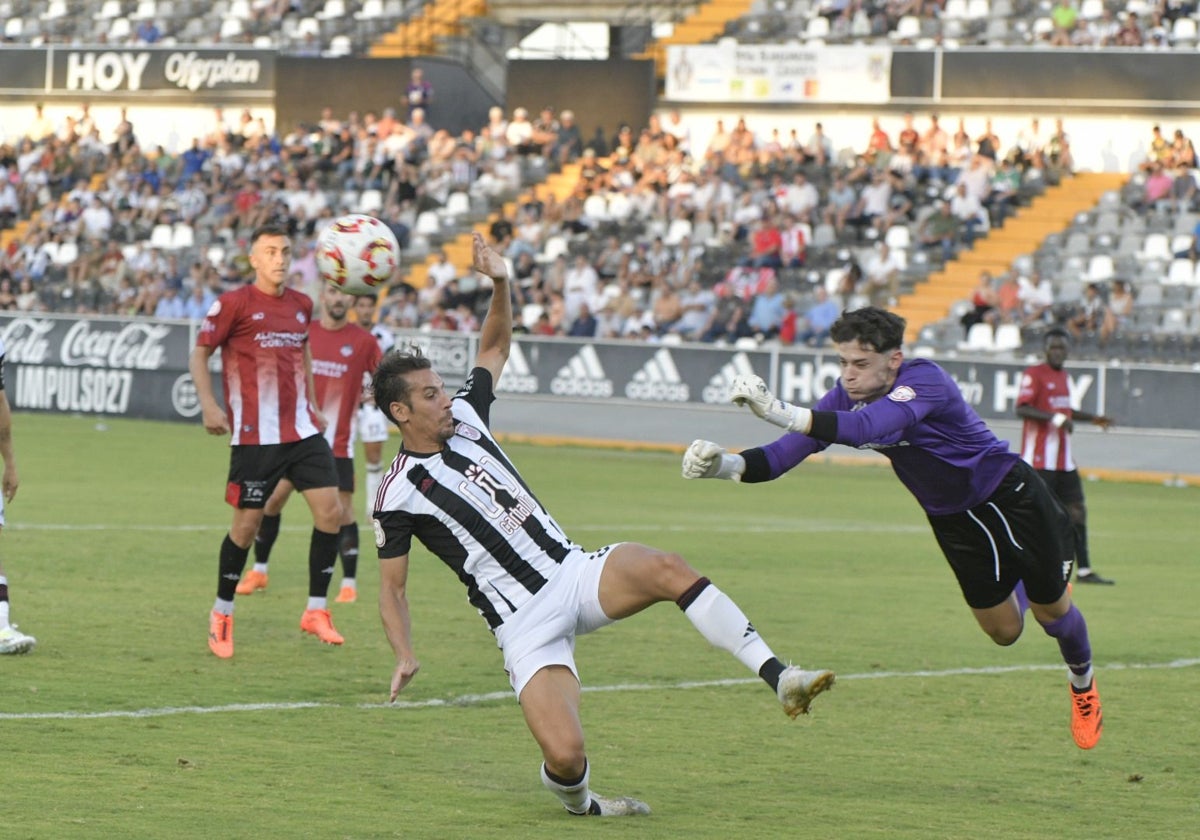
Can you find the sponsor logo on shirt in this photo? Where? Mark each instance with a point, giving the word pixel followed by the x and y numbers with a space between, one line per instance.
pixel 258 316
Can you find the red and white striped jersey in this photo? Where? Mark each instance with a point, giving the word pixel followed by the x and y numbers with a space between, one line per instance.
pixel 1043 446
pixel 343 361
pixel 261 338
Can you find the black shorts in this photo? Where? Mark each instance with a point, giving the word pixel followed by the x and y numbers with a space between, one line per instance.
pixel 254 470
pixel 1066 486
pixel 1020 533
pixel 345 474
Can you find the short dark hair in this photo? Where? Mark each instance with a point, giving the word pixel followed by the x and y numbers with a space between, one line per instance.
pixel 1056 332
pixel 268 229
pixel 389 383
pixel 871 327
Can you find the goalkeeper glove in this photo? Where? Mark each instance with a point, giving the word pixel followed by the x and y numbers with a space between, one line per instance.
pixel 705 459
pixel 752 391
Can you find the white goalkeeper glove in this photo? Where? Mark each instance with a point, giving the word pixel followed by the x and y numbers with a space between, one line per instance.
pixel 705 459
pixel 752 391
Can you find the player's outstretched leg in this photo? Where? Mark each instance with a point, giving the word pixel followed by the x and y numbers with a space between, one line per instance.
pixel 724 625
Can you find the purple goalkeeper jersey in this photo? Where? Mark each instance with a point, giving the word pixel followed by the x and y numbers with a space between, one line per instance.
pixel 943 453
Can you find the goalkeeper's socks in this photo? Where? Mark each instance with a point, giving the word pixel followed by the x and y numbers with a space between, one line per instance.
pixel 723 623
pixel 1072 635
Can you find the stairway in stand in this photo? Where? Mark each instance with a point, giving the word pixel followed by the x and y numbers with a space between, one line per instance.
pixel 1051 212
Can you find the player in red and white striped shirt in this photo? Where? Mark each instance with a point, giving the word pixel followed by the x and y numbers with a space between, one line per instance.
pixel 344 356
pixel 262 332
pixel 1045 405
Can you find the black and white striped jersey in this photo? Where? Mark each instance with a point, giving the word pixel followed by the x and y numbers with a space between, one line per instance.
pixel 470 507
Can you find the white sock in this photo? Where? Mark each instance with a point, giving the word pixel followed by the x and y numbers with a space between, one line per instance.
pixel 1081 681
pixel 223 607
pixel 3 612
pixel 575 798
pixel 374 479
pixel 349 583
pixel 724 624
pixel 317 604
pixel 261 568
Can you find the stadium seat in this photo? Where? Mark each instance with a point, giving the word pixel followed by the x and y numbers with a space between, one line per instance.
pixel 817 29
pixel 240 9
pixel 457 204
pixel 67 253
pixel 677 230
pixel 215 254
pixel 1101 268
pixel 898 238
pixel 161 236
pixel 55 10
pixel 954 10
pixel 1149 295
pixel 370 10
pixel 308 26
pixel 1008 337
pixel 978 9
pixel 1091 9
pixel 428 223
pixel 1183 33
pixel 1042 28
pixel 119 30
pixel 979 337
pixel 620 207
pixel 908 28
pixel 231 28
pixel 370 201
pixel 13 28
pixel 183 236
pixel 1180 272
pixel 1156 246
pixel 332 10
pixel 148 10
pixel 595 207
pixel 1173 321
pixel 109 9
pixel 555 247
pixel 339 45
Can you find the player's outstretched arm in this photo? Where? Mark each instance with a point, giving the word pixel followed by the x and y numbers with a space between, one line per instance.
pixel 705 459
pixel 495 336
pixel 397 624
pixel 751 391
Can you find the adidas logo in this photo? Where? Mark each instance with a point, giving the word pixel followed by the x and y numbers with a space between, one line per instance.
pixel 658 379
pixel 517 377
pixel 582 376
pixel 717 389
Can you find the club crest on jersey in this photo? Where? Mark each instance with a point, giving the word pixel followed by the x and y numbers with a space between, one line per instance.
pixel 469 432
pixel 214 310
pixel 380 539
pixel 346 350
pixel 258 316
pixel 300 317
pixel 903 394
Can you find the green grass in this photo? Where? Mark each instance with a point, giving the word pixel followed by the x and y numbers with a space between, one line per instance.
pixel 834 565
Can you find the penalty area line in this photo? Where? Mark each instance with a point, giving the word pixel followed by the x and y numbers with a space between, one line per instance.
pixel 468 700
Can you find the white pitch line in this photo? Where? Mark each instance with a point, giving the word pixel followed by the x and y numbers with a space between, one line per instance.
pixel 480 699
pixel 788 527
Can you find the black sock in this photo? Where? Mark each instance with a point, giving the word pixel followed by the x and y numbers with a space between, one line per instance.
pixel 1082 560
pixel 322 558
pixel 770 671
pixel 233 561
pixel 268 532
pixel 348 548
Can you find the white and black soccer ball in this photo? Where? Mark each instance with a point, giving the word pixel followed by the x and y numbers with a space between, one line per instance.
pixel 358 254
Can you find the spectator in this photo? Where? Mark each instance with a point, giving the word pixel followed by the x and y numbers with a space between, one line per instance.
pixel 882 274
pixel 984 302
pixel 1092 316
pixel 940 230
pixel 1063 16
pixel 1120 304
pixel 419 92
pixel 1037 299
pixel 818 318
pixel 767 311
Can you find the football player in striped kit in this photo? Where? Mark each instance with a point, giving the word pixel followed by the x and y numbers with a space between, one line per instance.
pixel 1044 403
pixel 12 640
pixel 453 488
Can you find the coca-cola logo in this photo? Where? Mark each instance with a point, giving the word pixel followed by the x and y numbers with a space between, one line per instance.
pixel 133 346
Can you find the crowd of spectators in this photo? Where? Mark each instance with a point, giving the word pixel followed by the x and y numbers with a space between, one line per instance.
pixel 759 234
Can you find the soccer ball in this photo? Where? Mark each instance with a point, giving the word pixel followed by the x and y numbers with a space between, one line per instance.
pixel 357 254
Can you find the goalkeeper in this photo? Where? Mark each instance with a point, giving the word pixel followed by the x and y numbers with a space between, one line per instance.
pixel 998 525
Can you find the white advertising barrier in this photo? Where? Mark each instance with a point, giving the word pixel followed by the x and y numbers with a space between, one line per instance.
pixel 768 73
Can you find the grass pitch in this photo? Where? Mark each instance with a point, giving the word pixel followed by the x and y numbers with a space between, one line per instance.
pixel 121 724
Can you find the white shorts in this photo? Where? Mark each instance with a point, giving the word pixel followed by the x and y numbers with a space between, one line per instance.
pixel 542 633
pixel 372 424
